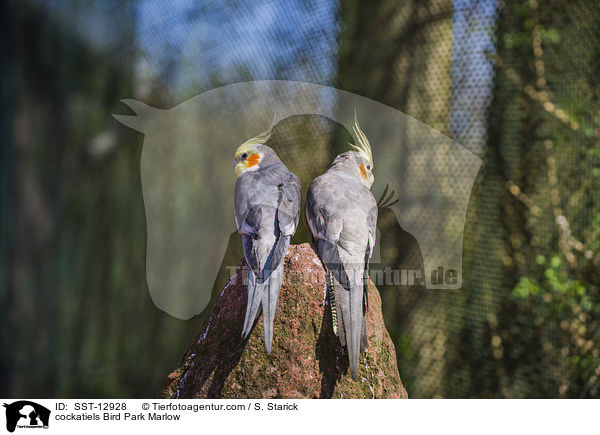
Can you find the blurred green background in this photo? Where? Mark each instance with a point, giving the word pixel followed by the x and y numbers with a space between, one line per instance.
pixel 515 82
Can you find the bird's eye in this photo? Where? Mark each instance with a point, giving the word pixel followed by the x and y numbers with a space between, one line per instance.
pixel 244 156
pixel 369 167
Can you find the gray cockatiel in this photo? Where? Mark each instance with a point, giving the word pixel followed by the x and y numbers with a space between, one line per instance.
pixel 341 213
pixel 267 208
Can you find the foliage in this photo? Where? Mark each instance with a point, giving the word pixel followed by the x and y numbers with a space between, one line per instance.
pixel 568 312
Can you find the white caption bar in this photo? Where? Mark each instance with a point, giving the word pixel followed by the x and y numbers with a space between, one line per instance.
pixel 276 416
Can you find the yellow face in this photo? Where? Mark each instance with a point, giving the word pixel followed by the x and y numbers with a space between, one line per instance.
pixel 246 158
pixel 366 174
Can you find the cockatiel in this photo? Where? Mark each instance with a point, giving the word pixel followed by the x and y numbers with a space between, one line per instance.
pixel 267 208
pixel 341 213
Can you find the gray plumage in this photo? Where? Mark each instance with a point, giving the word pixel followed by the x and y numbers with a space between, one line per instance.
pixel 341 213
pixel 267 208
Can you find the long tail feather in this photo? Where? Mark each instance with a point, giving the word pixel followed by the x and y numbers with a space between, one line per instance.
pixel 255 293
pixel 270 304
pixel 351 318
pixel 263 297
pixel 354 336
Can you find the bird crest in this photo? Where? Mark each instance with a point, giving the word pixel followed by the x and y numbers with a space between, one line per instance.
pixel 362 146
pixel 261 138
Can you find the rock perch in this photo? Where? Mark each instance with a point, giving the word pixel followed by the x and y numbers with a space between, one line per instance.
pixel 307 360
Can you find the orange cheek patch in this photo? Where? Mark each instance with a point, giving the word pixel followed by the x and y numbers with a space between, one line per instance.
pixel 252 160
pixel 363 172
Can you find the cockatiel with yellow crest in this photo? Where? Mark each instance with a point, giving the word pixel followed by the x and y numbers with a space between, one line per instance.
pixel 341 213
pixel 267 208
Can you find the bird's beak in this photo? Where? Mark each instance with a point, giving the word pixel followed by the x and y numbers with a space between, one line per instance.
pixel 239 167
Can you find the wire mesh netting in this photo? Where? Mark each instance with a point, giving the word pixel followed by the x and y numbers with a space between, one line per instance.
pixel 514 82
